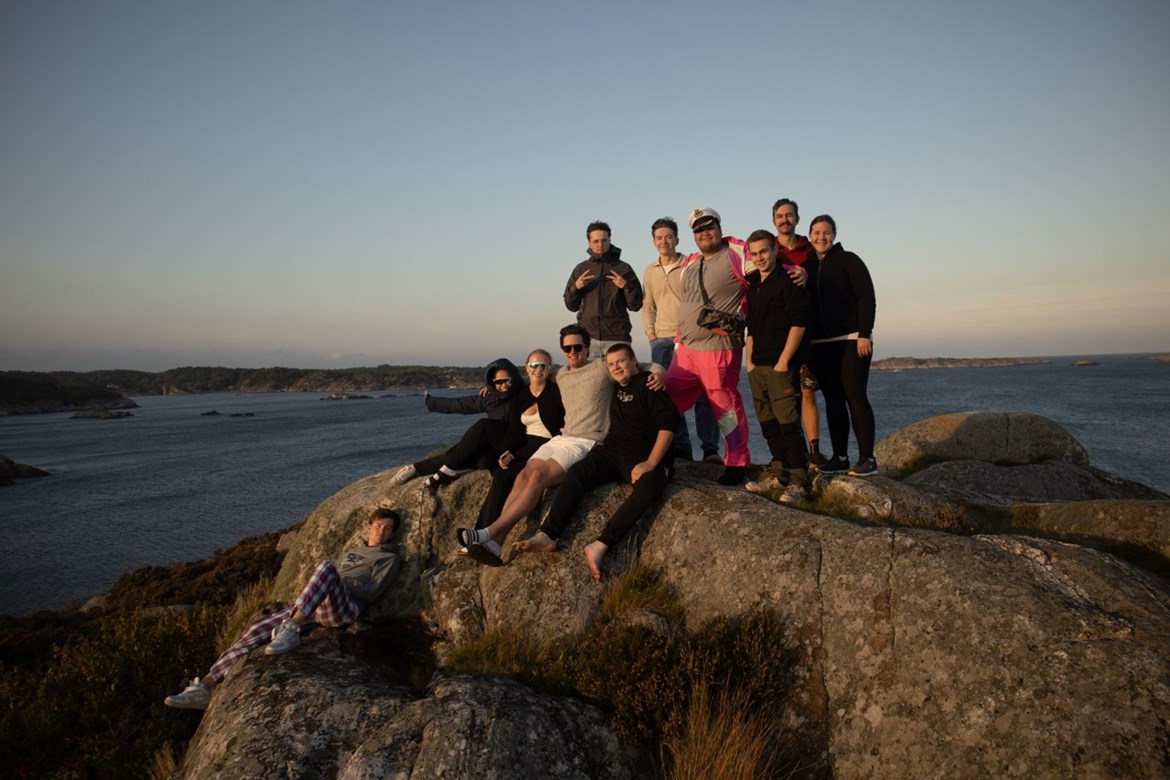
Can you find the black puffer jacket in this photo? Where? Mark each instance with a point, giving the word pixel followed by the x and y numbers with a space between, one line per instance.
pixel 495 404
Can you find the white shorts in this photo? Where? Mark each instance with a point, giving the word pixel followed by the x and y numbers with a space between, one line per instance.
pixel 564 450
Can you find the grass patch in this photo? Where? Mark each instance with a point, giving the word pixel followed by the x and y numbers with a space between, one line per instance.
pixel 249 606
pixel 81 692
pixel 723 739
pixel 708 697
pixel 96 708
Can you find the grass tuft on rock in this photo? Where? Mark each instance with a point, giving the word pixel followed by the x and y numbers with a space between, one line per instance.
pixel 708 697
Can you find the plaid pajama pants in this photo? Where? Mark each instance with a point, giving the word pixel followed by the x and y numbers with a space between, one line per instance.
pixel 324 600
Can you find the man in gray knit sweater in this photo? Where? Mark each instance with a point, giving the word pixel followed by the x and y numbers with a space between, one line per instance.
pixel 586 390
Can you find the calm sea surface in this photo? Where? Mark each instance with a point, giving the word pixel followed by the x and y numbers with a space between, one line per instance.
pixel 169 485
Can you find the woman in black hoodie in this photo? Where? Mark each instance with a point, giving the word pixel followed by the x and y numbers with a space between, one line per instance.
pixel 841 334
pixel 482 443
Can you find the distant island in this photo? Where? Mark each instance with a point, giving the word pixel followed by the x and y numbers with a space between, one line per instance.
pixel 29 392
pixel 902 363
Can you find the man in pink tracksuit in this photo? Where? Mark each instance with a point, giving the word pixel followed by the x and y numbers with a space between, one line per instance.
pixel 706 362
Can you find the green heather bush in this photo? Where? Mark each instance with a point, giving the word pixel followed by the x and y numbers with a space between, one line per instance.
pixel 708 698
pixel 95 709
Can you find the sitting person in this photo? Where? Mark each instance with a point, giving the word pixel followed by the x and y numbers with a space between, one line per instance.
pixel 637 448
pixel 537 416
pixel 481 445
pixel 586 389
pixel 331 597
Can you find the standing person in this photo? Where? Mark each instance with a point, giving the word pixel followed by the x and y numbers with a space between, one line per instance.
pixel 777 315
pixel 794 251
pixel 537 416
pixel 333 596
pixel 637 450
pixel 482 443
pixel 708 361
pixel 660 286
pixel 586 389
pixel 603 291
pixel 844 307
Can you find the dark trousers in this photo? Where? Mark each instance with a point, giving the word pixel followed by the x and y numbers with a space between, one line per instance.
pixel 776 398
pixel 502 481
pixel 598 468
pixel 478 448
pixel 844 376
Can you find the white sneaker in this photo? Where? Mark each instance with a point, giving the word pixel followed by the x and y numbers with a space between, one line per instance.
pixel 285 637
pixel 404 475
pixel 794 494
pixel 194 697
pixel 764 485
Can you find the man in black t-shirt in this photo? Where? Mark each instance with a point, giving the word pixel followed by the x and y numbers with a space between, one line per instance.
pixel 637 449
pixel 778 313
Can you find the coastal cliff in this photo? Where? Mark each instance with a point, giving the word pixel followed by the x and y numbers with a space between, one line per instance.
pixel 999 626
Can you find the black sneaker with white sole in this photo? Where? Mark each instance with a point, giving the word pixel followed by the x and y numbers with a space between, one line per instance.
pixel 866 467
pixel 834 465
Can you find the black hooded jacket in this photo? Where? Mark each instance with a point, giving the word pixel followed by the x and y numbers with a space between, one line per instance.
pixel 842 295
pixel 602 307
pixel 495 404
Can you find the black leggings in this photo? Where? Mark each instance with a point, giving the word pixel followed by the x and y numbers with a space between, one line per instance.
pixel 844 376
pixel 598 468
pixel 502 481
pixel 479 448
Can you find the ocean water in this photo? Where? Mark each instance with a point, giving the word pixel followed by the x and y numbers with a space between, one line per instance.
pixel 169 484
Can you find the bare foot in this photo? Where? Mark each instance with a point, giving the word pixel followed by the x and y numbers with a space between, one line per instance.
pixel 538 542
pixel 594 552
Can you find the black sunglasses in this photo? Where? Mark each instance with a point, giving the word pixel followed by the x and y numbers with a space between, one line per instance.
pixel 504 381
pixel 572 347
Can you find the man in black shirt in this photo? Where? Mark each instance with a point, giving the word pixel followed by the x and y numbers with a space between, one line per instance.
pixel 637 449
pixel 778 313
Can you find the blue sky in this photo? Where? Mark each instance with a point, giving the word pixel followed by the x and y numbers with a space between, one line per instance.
pixel 342 184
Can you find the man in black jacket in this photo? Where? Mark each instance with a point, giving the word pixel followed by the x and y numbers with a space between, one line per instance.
pixel 603 291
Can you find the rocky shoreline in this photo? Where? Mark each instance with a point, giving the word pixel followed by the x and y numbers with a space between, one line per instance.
pixel 993 608
pixel 991 605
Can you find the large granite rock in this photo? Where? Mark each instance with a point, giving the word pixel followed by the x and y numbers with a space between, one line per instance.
pixel 1136 530
pixel 321 713
pixel 996 437
pixel 919 653
pixel 931 655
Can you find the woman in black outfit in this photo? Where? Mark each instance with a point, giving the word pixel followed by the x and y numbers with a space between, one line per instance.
pixel 841 334
pixel 482 443
pixel 537 415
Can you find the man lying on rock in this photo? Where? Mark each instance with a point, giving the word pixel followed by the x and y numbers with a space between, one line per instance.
pixel 332 597
pixel 637 449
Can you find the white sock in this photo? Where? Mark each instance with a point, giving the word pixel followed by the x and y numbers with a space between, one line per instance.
pixel 481 535
pixel 449 472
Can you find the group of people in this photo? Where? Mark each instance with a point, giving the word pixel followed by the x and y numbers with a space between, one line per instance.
pixel 802 308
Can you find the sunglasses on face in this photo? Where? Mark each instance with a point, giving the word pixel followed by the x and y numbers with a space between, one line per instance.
pixel 504 381
pixel 572 347
pixel 539 366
